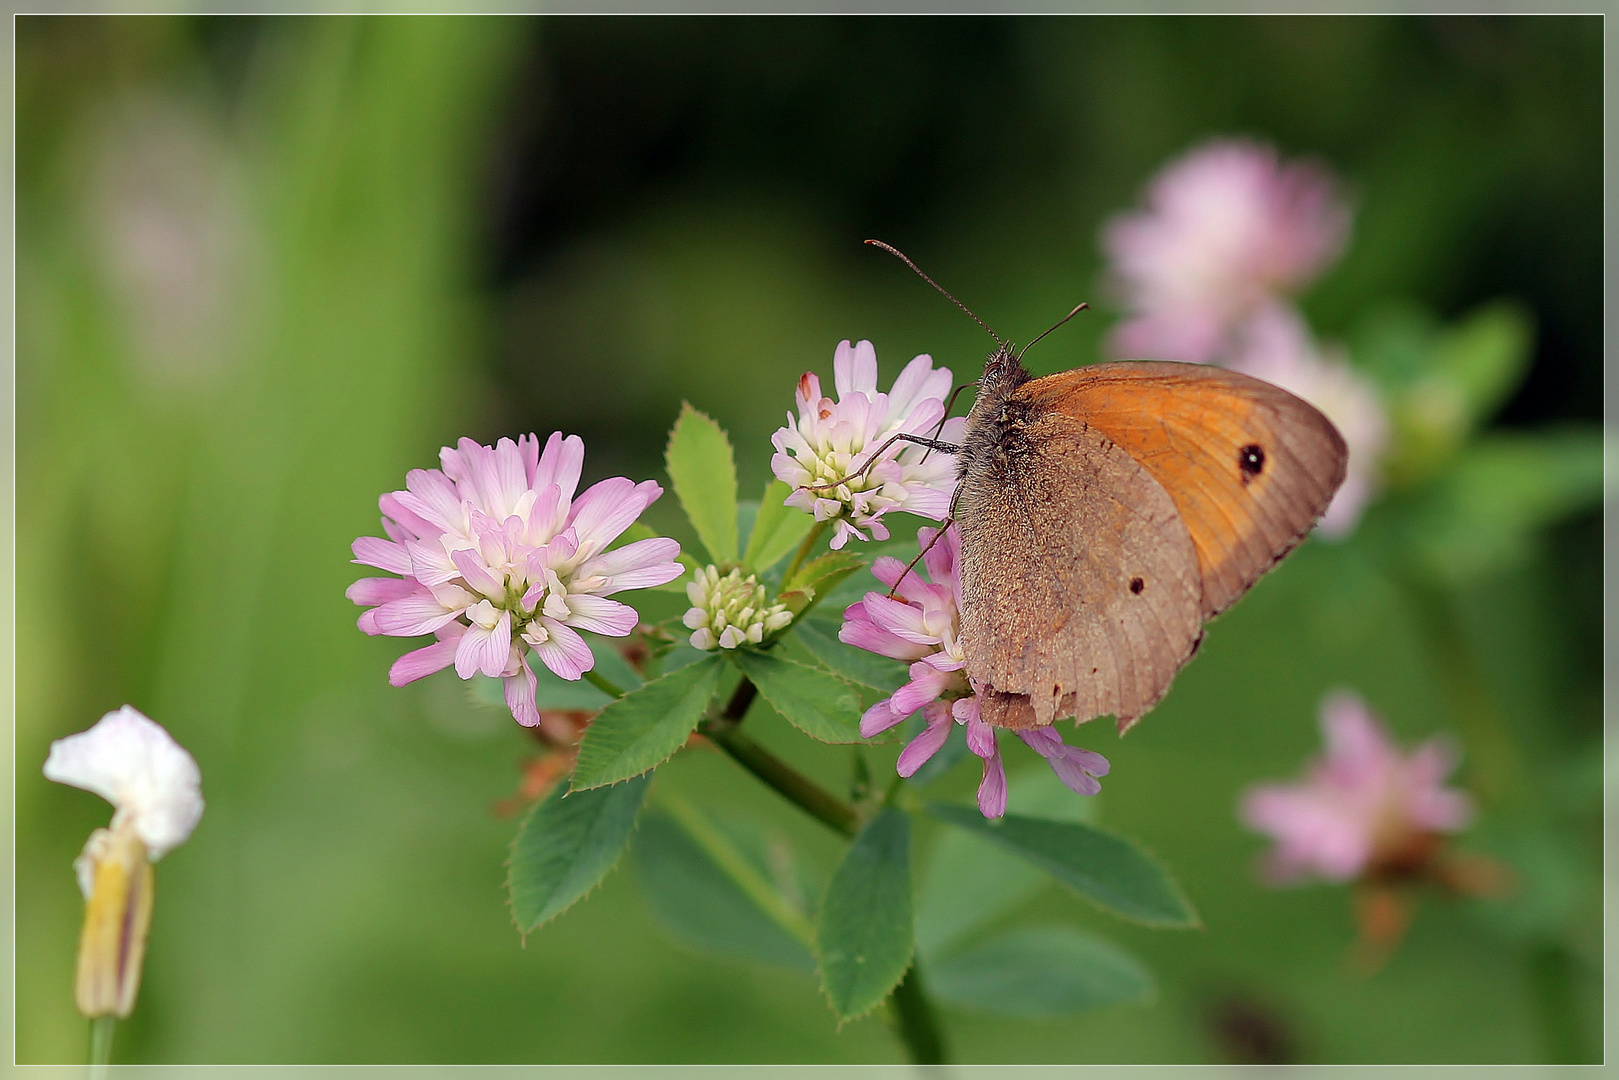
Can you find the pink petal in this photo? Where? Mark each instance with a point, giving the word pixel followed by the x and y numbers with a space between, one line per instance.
pixel 371 591
pixel 655 552
pixel 600 615
pixel 528 448
pixel 866 635
pixel 477 574
pixel 902 620
pixel 485 651
pixel 382 554
pixel 432 495
pixel 992 789
pixel 520 695
pixel 421 662
pixel 560 464
pixel 943 556
pixel 908 585
pixel 879 718
pixel 419 613
pixel 510 474
pixel 920 749
pixel 609 507
pixel 981 737
pixel 854 368
pixel 429 564
pixel 927 683
pixel 413 523
pixel 564 652
pixel 918 382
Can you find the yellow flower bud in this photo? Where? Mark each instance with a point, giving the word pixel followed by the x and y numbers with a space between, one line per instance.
pixel 117 915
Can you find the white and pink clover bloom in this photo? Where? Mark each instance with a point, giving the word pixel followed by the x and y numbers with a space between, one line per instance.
pixel 920 623
pixel 1226 227
pixel 497 558
pixel 1362 805
pixel 828 441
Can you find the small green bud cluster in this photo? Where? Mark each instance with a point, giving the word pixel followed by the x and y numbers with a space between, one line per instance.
pixel 730 610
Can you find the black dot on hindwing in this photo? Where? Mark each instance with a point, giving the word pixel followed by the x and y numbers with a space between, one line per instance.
pixel 1136 585
pixel 1251 460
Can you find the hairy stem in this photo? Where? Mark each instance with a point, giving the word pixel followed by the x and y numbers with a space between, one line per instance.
pixel 914 1018
pixel 788 782
pixel 602 684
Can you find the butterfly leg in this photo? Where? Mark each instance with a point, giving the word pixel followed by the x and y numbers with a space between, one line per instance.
pixel 938 428
pixel 949 521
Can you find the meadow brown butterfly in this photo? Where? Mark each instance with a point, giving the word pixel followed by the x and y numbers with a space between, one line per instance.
pixel 1106 512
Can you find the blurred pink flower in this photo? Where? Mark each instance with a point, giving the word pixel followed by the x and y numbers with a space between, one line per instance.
pixel 498 558
pixel 920 623
pixel 1274 344
pixel 829 440
pixel 1226 227
pixel 1361 806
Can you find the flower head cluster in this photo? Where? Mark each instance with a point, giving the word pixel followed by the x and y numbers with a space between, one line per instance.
pixel 730 610
pixel 497 557
pixel 830 441
pixel 919 622
pixel 1363 807
pixel 1226 228
pixel 1229 234
pixel 155 788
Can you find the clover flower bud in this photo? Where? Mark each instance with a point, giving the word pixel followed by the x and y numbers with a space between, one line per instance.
pixel 730 610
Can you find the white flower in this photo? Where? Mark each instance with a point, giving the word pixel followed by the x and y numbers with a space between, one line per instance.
pixel 728 611
pixel 134 764
pixel 830 440
pixel 155 787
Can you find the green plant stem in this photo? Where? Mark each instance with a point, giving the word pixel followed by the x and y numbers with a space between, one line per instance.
pixel 742 874
pixel 101 1028
pixel 603 685
pixel 912 1011
pixel 811 538
pixel 788 782
pixel 914 1018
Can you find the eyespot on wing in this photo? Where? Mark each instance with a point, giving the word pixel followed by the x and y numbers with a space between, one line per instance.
pixel 1250 467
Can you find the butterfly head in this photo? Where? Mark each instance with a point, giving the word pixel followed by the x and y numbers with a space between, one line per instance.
pixel 1003 373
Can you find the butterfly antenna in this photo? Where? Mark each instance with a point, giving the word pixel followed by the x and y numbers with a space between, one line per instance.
pixel 1082 306
pixel 900 255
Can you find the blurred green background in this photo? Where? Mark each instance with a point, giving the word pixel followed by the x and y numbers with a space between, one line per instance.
pixel 266 265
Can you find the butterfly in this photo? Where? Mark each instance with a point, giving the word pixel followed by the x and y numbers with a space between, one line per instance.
pixel 1107 512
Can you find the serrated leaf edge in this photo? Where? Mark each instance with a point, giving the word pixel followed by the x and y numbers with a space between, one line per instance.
pixel 685 408
pixel 660 761
pixel 511 850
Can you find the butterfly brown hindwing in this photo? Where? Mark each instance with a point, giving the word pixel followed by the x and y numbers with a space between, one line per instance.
pixel 1055 526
